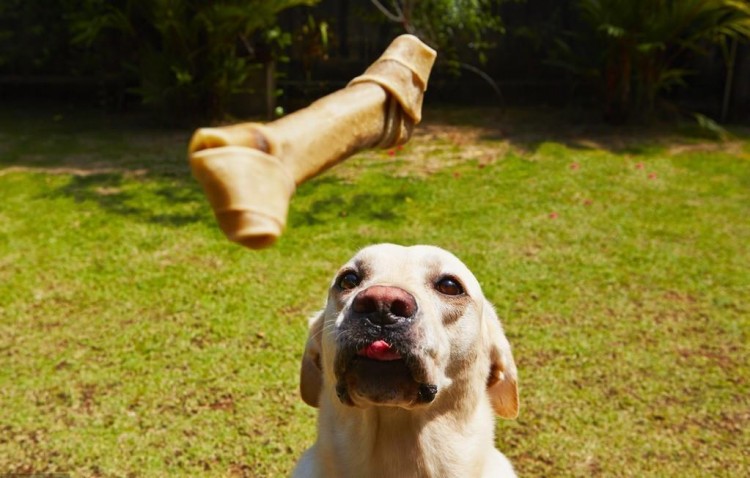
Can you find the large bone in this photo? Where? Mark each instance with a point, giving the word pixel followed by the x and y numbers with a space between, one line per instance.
pixel 249 171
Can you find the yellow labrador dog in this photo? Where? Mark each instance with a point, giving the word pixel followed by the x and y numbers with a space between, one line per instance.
pixel 407 363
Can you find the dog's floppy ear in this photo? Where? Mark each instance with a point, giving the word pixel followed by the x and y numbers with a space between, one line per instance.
pixel 311 376
pixel 502 381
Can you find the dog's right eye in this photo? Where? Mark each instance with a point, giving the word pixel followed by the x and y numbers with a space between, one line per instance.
pixel 449 286
pixel 348 281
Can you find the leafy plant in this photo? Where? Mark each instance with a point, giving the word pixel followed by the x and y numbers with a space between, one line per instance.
pixel 456 28
pixel 313 39
pixel 634 50
pixel 32 39
pixel 446 24
pixel 188 55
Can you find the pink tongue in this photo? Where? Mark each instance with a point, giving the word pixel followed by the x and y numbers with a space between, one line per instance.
pixel 380 350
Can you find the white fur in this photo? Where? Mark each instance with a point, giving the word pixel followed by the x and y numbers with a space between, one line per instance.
pixel 469 359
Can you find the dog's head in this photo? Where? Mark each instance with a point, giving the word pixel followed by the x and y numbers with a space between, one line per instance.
pixel 405 326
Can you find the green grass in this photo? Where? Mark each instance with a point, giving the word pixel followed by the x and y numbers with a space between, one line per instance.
pixel 136 341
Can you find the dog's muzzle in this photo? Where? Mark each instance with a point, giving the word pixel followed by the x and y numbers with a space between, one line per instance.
pixel 383 306
pixel 376 360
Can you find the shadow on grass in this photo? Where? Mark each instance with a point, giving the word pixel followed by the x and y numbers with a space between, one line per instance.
pixel 129 167
pixel 124 164
pixel 173 203
pixel 87 142
pixel 333 202
pixel 367 207
pixel 528 129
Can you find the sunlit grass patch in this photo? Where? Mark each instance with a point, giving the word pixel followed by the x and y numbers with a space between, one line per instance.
pixel 136 341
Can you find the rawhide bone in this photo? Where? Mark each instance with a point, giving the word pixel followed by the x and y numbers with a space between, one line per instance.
pixel 249 171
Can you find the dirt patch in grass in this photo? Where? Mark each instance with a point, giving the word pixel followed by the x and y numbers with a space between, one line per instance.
pixel 82 170
pixel 734 147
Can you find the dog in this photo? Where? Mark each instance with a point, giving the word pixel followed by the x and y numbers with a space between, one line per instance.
pixel 407 363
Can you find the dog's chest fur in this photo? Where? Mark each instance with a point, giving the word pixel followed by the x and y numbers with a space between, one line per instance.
pixel 380 442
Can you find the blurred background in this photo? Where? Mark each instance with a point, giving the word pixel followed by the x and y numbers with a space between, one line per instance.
pixel 197 60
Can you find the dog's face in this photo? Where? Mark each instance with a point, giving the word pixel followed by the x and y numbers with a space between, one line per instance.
pixel 405 326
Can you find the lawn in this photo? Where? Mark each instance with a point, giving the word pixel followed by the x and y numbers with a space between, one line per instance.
pixel 136 341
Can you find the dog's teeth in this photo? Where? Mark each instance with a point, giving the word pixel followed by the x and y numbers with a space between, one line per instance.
pixel 427 392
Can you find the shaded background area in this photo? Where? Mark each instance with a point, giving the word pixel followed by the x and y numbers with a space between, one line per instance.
pixel 188 61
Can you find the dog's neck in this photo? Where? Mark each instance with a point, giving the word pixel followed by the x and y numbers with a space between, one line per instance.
pixel 394 442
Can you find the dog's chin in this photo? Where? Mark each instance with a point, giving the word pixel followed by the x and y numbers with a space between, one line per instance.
pixel 369 382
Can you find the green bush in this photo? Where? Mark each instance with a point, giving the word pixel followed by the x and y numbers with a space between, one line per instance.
pixel 633 50
pixel 187 55
pixel 462 31
pixel 33 40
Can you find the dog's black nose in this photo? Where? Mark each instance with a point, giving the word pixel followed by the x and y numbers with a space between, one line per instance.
pixel 384 305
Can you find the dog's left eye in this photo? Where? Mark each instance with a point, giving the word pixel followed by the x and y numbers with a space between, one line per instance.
pixel 348 281
pixel 449 286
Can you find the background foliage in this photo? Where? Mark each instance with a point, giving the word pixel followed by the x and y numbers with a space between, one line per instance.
pixel 449 26
pixel 188 55
pixel 187 58
pixel 635 50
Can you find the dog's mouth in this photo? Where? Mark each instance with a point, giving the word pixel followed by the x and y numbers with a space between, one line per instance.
pixel 379 373
pixel 380 351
